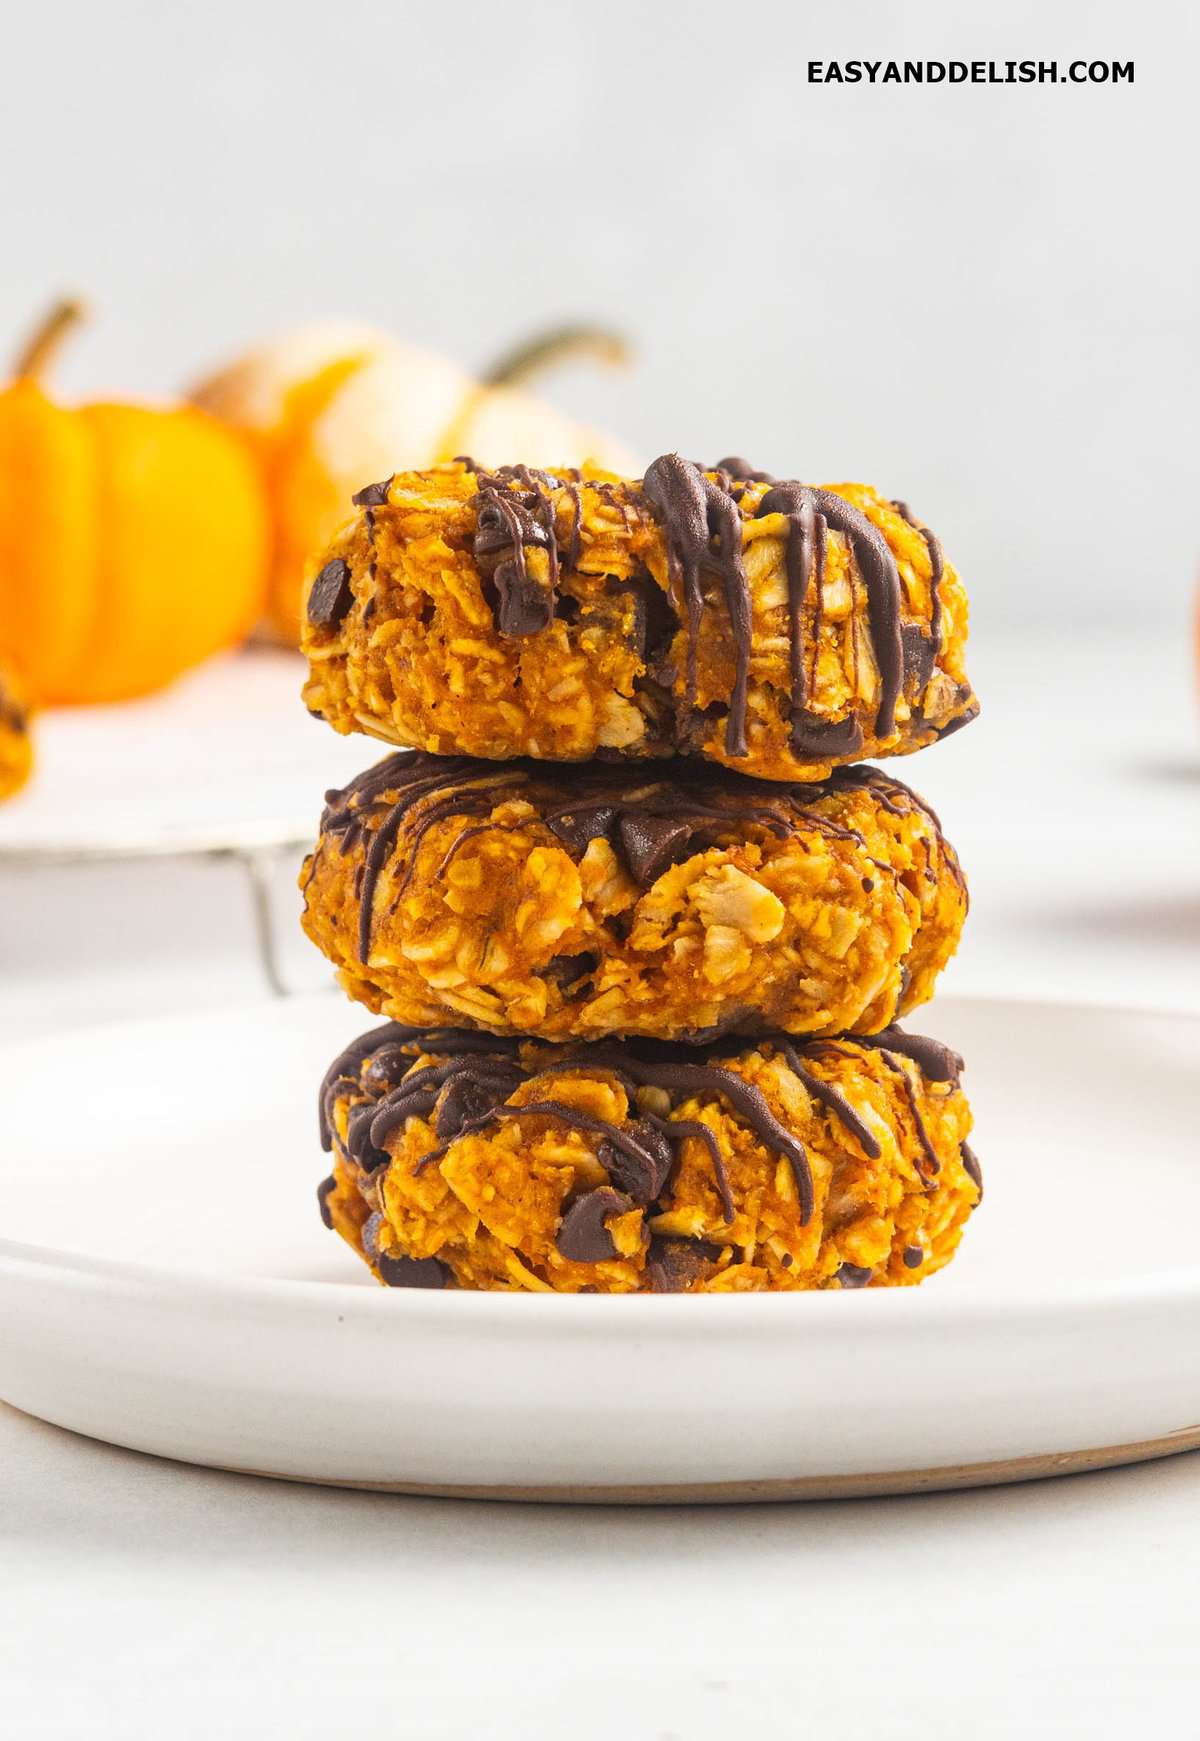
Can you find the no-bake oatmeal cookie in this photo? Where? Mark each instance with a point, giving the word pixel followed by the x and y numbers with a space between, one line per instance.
pixel 469 1160
pixel 676 900
pixel 780 628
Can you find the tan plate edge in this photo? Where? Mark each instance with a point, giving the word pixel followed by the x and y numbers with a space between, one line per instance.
pixel 805 1487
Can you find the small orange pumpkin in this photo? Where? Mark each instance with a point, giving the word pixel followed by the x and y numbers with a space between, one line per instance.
pixel 133 541
pixel 331 408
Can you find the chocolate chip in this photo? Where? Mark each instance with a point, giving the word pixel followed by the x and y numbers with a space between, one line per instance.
pixel 323 1191
pixel 569 971
pixel 525 608
pixel 619 925
pixel 971 1167
pixel 370 1235
pixel 374 495
pixel 851 1275
pixel 643 1176
pixel 914 1257
pixel 672 1265
pixel 737 1018
pixel 813 736
pixel 576 828
pixel 650 844
pixel 330 596
pixel 920 651
pixel 410 1272
pixel 583 1237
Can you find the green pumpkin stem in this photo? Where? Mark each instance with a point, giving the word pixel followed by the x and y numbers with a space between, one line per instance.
pixel 547 349
pixel 40 347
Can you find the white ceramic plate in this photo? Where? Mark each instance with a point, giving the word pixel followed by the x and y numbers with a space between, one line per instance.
pixel 165 1284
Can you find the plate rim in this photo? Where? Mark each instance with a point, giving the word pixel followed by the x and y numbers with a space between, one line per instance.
pixel 979 1305
pixel 980 1302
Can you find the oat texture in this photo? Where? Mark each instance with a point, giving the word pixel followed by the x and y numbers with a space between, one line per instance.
pixel 408 639
pixel 460 1161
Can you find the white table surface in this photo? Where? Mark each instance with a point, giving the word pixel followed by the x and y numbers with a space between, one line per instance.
pixel 142 1599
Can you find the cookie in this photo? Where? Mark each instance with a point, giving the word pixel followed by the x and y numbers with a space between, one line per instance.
pixel 779 628
pixel 473 1161
pixel 675 900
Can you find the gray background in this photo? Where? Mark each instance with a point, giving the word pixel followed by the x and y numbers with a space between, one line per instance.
pixel 980 299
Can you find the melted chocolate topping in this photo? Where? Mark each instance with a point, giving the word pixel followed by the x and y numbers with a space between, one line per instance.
pixel 810 513
pixel 937 566
pixel 672 815
pixel 741 471
pixel 510 521
pixel 703 530
pixel 476 1074
pixel 702 525
pixel 936 1062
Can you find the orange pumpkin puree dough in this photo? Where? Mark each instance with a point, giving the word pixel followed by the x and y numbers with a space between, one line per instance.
pixel 16 749
pixel 572 903
pixel 782 629
pixel 471 1161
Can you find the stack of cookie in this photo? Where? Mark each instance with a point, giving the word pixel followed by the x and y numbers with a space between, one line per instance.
pixel 643 923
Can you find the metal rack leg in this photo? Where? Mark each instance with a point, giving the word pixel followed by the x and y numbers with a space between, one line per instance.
pixel 258 867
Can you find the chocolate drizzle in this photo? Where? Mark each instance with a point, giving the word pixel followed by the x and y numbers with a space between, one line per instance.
pixel 462 1082
pixel 937 566
pixel 703 530
pixel 937 1063
pixel 514 515
pixel 434 784
pixel 811 512
pixel 517 517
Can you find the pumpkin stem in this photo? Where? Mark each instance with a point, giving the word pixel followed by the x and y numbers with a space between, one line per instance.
pixel 39 348
pixel 546 350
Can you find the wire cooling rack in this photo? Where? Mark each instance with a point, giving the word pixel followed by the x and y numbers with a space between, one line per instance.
pixel 226 767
